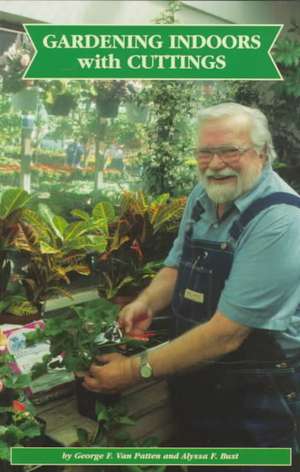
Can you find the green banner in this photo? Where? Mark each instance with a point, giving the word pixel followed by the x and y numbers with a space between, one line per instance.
pixel 150 456
pixel 153 52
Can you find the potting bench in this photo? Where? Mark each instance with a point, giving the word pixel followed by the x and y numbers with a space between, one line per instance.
pixel 148 404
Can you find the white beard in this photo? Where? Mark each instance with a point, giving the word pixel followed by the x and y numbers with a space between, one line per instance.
pixel 228 191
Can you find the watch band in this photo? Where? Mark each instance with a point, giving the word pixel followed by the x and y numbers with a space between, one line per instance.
pixel 145 369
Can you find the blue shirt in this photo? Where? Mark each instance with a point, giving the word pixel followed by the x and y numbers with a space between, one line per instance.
pixel 263 287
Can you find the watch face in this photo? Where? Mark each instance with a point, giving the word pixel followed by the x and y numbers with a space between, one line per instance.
pixel 146 371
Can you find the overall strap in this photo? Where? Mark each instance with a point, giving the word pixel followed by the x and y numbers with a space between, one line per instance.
pixel 259 205
pixel 197 211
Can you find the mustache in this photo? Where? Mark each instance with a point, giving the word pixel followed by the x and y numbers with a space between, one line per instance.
pixel 221 173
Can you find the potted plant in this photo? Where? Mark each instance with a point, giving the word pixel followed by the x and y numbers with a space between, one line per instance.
pixel 18 423
pixel 59 250
pixel 142 227
pixel 58 98
pixel 13 65
pixel 108 95
pixel 14 307
pixel 79 335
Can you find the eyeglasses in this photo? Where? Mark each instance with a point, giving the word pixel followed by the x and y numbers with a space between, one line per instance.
pixel 228 154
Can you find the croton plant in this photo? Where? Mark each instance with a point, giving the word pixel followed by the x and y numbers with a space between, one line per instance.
pixel 139 237
pixel 39 250
pixel 122 244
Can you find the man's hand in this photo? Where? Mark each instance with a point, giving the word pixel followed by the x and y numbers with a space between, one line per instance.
pixel 114 374
pixel 135 318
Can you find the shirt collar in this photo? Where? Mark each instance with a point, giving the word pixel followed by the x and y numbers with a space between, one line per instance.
pixel 242 202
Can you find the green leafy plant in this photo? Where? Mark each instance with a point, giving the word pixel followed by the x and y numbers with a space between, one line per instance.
pixel 12 228
pixel 57 248
pixel 9 127
pixel 14 63
pixel 74 341
pixel 108 95
pixel 73 335
pixel 113 430
pixel 17 421
pixel 143 227
pixel 111 422
pixel 59 97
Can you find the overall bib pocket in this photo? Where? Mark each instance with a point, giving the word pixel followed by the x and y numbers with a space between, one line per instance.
pixel 195 303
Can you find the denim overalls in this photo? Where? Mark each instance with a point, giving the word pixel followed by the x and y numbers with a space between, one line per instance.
pixel 248 398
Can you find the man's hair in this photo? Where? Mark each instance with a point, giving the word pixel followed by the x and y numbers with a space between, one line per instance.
pixel 260 133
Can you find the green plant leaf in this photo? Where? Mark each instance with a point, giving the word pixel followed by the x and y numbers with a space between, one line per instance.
pixel 60 224
pixel 4 304
pixel 74 230
pixel 21 307
pixel 31 429
pixel 12 200
pixel 125 420
pixel 83 436
pixel 48 217
pixel 166 214
pixel 4 451
pixel 47 249
pixel 97 243
pixel 35 220
pixel 83 215
pixel 101 412
pixel 22 381
pixel 3 430
pixel 81 269
pixel 105 211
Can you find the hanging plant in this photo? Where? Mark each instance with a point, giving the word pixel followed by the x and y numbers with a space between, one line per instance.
pixel 13 64
pixel 108 107
pixel 62 105
pixel 58 100
pixel 108 95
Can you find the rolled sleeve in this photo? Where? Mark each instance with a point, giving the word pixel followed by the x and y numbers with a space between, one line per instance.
pixel 263 288
pixel 173 258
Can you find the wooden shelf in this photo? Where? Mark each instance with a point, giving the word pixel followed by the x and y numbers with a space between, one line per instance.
pixel 148 404
pixel 78 296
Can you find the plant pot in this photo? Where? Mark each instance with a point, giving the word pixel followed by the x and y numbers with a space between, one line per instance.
pixel 6 397
pixel 12 84
pixel 62 105
pixel 19 320
pixel 108 107
pixel 86 400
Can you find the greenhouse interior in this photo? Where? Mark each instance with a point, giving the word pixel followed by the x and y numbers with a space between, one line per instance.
pixel 96 180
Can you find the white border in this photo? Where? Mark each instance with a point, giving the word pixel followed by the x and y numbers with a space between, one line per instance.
pixel 103 449
pixel 146 78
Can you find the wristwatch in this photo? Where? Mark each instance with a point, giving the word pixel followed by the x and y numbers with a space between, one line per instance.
pixel 145 369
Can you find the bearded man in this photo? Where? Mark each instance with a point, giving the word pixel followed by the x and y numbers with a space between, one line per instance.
pixel 233 279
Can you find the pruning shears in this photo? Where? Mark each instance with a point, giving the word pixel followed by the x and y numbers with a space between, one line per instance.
pixel 113 334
